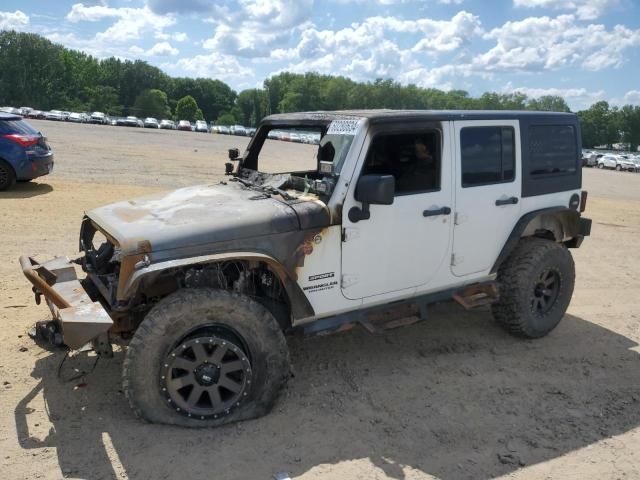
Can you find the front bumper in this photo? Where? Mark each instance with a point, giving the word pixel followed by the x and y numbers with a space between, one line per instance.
pixel 78 318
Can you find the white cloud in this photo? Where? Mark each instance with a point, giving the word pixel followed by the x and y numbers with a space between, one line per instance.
pixel 257 26
pixel 213 65
pixel 17 20
pixel 372 49
pixel 131 23
pixel 632 97
pixel 162 49
pixel 543 43
pixel 584 9
pixel 80 13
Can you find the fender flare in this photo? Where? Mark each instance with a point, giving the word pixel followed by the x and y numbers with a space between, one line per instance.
pixel 300 306
pixel 568 219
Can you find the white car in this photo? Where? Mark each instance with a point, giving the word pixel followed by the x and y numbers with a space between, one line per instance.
pixel 75 118
pixel 616 162
pixel 167 124
pixel 238 130
pixel 151 122
pixel 54 115
pixel 201 126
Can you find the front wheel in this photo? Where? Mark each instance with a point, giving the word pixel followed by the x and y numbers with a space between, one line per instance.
pixel 618 167
pixel 203 358
pixel 536 284
pixel 601 165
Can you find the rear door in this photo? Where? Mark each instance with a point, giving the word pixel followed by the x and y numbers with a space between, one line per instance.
pixel 488 191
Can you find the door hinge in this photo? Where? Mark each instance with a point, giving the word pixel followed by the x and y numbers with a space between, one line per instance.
pixel 458 218
pixel 456 260
pixel 348 280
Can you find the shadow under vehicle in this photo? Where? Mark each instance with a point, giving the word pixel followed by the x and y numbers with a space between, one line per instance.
pixel 453 397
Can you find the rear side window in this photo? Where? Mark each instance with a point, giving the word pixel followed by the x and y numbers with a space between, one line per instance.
pixel 16 126
pixel 552 150
pixel 487 155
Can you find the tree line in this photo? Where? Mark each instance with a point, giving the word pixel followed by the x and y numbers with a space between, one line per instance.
pixel 38 73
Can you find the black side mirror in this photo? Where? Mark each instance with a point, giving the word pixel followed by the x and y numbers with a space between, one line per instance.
pixel 234 154
pixel 372 190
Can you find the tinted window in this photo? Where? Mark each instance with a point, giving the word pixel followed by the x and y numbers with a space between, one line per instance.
pixel 487 155
pixel 16 126
pixel 552 149
pixel 413 159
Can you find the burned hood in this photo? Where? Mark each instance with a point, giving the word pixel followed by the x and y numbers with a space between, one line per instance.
pixel 204 214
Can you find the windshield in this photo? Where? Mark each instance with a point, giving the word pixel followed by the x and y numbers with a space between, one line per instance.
pixel 299 160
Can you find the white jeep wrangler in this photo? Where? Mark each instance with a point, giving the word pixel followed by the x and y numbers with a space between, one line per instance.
pixel 398 209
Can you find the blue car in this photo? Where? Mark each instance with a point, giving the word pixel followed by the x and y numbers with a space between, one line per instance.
pixel 24 152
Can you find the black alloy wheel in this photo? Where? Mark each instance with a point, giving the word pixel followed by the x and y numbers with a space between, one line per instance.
pixel 206 376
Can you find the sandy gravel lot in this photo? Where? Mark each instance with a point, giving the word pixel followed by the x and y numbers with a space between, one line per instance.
pixel 452 397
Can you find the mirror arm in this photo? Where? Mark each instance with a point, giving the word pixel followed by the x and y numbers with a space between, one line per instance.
pixel 356 214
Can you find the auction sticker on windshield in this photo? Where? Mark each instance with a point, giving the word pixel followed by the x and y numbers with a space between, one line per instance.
pixel 344 127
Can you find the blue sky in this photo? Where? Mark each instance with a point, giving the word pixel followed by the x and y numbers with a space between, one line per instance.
pixel 584 50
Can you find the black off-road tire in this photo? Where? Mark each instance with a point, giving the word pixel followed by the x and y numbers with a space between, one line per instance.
pixel 519 278
pixel 7 176
pixel 177 317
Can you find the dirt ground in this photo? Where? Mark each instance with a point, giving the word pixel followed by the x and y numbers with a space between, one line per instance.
pixel 452 397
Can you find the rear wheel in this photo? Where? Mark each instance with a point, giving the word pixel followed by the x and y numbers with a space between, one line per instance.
pixel 601 165
pixel 7 176
pixel 536 284
pixel 205 357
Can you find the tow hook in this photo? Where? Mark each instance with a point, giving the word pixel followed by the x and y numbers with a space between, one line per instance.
pixel 37 295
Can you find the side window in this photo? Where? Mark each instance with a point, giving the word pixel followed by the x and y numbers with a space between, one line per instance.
pixel 414 160
pixel 552 149
pixel 487 155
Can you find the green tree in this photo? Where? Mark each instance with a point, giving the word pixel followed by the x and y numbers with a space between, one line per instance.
pixel 629 124
pixel 548 103
pixel 226 118
pixel 152 103
pixel 186 109
pixel 102 99
pixel 599 125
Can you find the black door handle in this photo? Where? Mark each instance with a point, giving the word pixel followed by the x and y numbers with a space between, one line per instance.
pixel 507 201
pixel 436 212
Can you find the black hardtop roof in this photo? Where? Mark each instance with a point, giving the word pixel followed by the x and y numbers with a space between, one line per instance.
pixel 375 116
pixel 9 116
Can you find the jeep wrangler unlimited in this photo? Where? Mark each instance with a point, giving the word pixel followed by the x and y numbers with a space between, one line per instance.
pixel 398 210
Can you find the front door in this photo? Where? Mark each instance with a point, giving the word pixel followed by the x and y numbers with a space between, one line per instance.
pixel 401 245
pixel 488 191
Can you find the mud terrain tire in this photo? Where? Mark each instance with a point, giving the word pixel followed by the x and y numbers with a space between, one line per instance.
pixel 536 284
pixel 178 317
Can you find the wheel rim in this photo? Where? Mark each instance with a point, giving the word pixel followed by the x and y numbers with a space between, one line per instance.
pixel 545 291
pixel 206 377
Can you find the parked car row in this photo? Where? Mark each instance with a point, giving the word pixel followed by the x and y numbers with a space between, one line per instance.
pixel 100 118
pixel 622 162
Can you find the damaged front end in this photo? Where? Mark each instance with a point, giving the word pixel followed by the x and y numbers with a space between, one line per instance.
pixel 81 308
pixel 77 319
